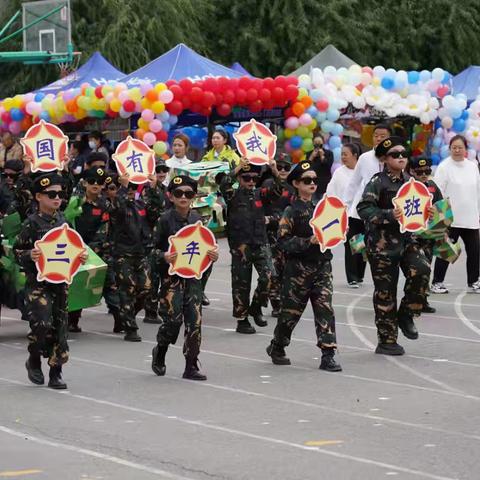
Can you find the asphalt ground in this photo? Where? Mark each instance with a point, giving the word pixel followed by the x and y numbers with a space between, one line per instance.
pixel 410 417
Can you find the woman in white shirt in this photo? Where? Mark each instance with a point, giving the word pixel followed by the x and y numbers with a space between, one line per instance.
pixel 179 158
pixel 459 181
pixel 354 264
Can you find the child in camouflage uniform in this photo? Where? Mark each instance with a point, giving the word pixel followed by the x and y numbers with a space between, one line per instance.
pixel 388 251
pixel 46 303
pixel 307 275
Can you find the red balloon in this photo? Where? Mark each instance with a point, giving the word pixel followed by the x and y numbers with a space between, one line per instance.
pixel 111 113
pixel 129 105
pixel 208 99
pixel 292 80
pixel 322 105
pixel 206 111
pixel 223 83
pixel 229 96
pixel 257 83
pixel 288 112
pixel 255 106
pixel 264 94
pixel 241 95
pixel 281 81
pixel 187 103
pixel 161 136
pixel 170 82
pixel 252 95
pixel 211 84
pixel 233 83
pixel 195 107
pixel 245 83
pixel 278 95
pixel 196 95
pixel 269 104
pixel 224 109
pixel 6 117
pixel 177 92
pixel 175 107
pixel 291 92
pixel 186 85
pixel 268 83
pixel 98 92
pixel 218 99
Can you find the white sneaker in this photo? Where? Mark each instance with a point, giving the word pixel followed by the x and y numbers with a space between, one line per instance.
pixel 356 285
pixel 474 287
pixel 440 288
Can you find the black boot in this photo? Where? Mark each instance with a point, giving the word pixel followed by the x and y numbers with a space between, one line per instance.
pixel 132 336
pixel 73 319
pixel 389 349
pixel 34 369
pixel 205 300
pixel 56 380
pixel 158 360
pixel 275 308
pixel 192 372
pixel 407 326
pixel 256 314
pixel 328 362
pixel 151 317
pixel 277 354
pixel 244 326
pixel 118 325
pixel 427 308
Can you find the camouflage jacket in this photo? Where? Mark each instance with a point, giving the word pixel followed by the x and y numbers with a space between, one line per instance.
pixel 382 230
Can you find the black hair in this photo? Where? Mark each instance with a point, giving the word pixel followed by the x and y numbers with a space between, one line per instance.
pixel 224 134
pixel 96 157
pixel 96 134
pixel 383 126
pixel 459 137
pixel 77 146
pixel 354 148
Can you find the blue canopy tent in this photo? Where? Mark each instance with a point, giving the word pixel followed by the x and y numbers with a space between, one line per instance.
pixel 178 63
pixel 238 67
pixel 95 71
pixel 467 82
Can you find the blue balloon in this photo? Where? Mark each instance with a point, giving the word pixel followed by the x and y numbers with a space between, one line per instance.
pixel 464 115
pixel 166 126
pixel 435 158
pixel 337 154
pixel 16 114
pixel 459 125
pixel 312 111
pixel 39 97
pixel 321 117
pixel 44 116
pixel 296 141
pixel 337 129
pixel 413 77
pixel 333 114
pixel 444 151
pixel 173 120
pixel 437 142
pixel 455 112
pixel 164 116
pixel 387 83
pixel 188 131
pixel 335 142
pixel 446 78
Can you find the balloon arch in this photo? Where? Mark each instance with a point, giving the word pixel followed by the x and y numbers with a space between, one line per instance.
pixel 310 103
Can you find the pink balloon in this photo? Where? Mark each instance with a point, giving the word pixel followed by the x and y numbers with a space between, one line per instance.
pixel 148 115
pixel 15 128
pixel 149 138
pixel 305 119
pixel 30 108
pixel 123 96
pixel 292 123
pixel 166 96
pixel 145 87
pixel 155 125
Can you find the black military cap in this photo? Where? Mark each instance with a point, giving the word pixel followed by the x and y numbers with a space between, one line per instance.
pixel 383 147
pixel 95 173
pixel 299 170
pixel 250 168
pixel 111 178
pixel 284 158
pixel 16 165
pixel 419 162
pixel 42 182
pixel 96 157
pixel 182 181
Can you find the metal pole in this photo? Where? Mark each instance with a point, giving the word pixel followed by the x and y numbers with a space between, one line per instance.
pixel 43 17
pixel 5 28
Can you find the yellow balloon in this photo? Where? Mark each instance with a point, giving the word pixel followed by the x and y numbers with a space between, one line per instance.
pixel 142 124
pixel 17 101
pixel 159 87
pixel 145 103
pixel 302 92
pixel 289 133
pixel 135 94
pixel 376 81
pixel 158 107
pixel 115 105
pixel 8 103
pixel 312 125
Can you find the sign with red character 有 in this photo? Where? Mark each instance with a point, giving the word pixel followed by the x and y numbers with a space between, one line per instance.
pixel 330 222
pixel 60 258
pixel 46 146
pixel 256 142
pixel 191 244
pixel 415 201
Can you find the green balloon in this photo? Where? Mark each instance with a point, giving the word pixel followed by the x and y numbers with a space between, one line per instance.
pixel 302 131
pixel 307 145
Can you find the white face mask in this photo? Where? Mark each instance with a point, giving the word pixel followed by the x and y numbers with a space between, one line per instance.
pixel 92 144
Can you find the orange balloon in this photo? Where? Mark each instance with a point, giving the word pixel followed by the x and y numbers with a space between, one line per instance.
pixel 71 106
pixel 298 108
pixel 152 95
pixel 297 155
pixel 307 101
pixel 139 133
pixel 26 123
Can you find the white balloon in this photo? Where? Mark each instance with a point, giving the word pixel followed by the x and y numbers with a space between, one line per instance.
pixel 379 71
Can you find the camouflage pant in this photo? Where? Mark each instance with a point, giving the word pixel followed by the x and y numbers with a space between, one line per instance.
pixel 303 282
pixel 181 302
pixel 244 257
pixel 385 271
pixel 151 300
pixel 278 258
pixel 134 283
pixel 46 307
pixel 110 288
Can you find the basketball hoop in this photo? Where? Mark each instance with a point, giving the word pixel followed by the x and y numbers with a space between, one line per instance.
pixel 66 68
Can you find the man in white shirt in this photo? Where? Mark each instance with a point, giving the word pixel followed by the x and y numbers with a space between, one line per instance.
pixel 367 166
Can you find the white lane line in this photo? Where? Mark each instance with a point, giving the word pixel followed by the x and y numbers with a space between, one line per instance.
pixel 92 453
pixel 398 363
pixel 462 317
pixel 218 428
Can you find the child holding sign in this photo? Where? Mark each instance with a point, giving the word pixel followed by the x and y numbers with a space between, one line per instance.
pixel 307 275
pixel 389 250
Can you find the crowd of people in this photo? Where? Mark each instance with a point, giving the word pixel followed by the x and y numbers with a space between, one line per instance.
pixel 268 210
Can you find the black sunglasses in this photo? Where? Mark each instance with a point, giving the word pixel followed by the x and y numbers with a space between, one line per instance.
pixel 161 169
pixel 10 175
pixel 98 181
pixel 249 178
pixel 403 154
pixel 423 171
pixel 183 193
pixel 54 194
pixel 308 180
pixel 284 167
